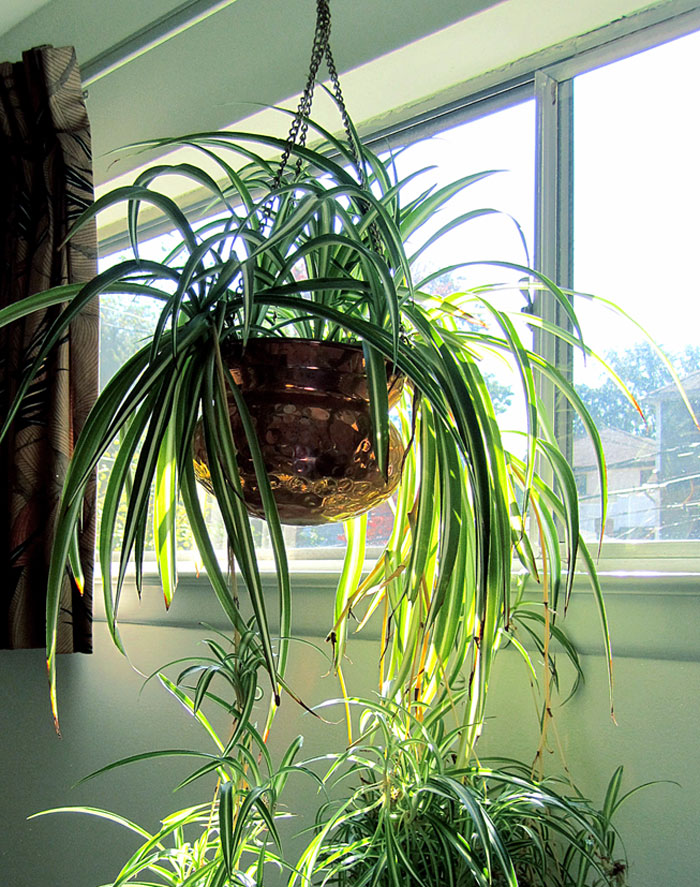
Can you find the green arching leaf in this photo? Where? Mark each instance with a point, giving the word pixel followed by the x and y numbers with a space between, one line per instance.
pixel 198 526
pixel 100 814
pixel 144 476
pixel 84 295
pixel 412 221
pixel 602 612
pixel 147 756
pixel 117 483
pixel 423 542
pixel 183 170
pixel 568 390
pixel 227 486
pixel 378 405
pixel 188 704
pixel 446 228
pixel 165 505
pixel 226 819
pixel 569 494
pixel 135 193
pixel 348 581
pixel 57 295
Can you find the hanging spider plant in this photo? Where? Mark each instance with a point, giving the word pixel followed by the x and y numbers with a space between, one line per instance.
pixel 318 255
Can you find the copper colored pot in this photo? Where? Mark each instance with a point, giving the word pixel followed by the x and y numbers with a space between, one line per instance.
pixel 309 403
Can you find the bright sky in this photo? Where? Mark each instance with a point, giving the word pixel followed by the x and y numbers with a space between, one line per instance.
pixel 637 189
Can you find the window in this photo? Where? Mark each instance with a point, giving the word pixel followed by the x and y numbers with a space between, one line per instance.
pixel 596 159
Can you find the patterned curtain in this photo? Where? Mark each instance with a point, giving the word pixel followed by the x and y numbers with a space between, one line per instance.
pixel 45 182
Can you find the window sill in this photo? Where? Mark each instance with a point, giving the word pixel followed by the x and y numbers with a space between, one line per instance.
pixel 652 614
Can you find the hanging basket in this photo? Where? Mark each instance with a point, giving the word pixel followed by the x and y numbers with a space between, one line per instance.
pixel 309 404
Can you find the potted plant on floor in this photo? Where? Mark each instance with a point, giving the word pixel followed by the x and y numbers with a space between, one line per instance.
pixel 404 811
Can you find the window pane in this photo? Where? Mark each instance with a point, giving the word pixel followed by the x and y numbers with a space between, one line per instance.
pixel 637 185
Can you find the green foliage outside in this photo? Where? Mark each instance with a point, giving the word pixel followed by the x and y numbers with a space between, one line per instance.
pixel 645 373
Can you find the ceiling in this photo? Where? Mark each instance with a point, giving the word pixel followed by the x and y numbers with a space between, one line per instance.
pixel 395 56
pixel 12 12
pixel 248 54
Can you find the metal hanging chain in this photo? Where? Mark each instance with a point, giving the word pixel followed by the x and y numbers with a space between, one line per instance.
pixel 297 132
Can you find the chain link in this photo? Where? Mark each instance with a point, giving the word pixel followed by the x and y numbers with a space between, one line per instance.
pixel 300 124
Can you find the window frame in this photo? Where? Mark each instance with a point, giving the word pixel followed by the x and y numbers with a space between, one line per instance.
pixel 554 240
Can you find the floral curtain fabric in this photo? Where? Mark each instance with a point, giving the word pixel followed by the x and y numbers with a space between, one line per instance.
pixel 45 182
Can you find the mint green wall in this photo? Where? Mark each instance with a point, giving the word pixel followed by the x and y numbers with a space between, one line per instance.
pixel 104 717
pixel 251 54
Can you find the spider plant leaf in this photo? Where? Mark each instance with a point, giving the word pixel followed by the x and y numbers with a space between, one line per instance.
pixel 226 817
pixel 451 526
pixel 39 302
pixel 164 508
pixel 238 186
pixel 144 476
pixel 188 490
pixel 348 581
pixel 552 552
pixel 152 851
pixel 116 484
pixel 147 756
pixel 244 720
pixel 525 657
pixel 97 433
pixel 568 390
pixel 450 226
pixel 184 170
pixel 564 642
pixel 66 523
pixel 602 613
pixel 410 222
pixel 488 834
pixel 254 797
pixel 200 693
pixel 271 516
pixel 565 336
pixel 522 362
pixel 287 766
pixel 569 495
pixel 213 766
pixel 100 814
pixel 75 565
pixel 378 406
pixel 227 486
pixel 189 706
pixel 423 545
pixel 135 194
pixel 57 329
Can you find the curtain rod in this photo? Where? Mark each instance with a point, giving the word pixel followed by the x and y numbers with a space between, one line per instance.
pixel 140 42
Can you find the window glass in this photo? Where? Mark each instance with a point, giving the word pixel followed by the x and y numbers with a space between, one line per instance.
pixel 636 190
